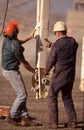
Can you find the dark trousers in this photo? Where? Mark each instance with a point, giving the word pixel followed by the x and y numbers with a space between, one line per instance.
pixel 66 92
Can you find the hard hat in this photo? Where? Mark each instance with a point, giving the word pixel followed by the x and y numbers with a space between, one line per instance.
pixel 59 26
pixel 14 22
pixel 10 28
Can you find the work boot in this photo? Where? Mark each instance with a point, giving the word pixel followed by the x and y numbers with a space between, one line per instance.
pixel 31 118
pixel 13 121
pixel 26 121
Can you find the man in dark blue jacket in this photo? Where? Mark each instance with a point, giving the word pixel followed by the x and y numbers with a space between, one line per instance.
pixel 63 58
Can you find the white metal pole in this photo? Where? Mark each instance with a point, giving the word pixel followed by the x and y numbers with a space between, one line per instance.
pixel 43 7
pixel 82 78
pixel 82 68
pixel 38 15
pixel 44 27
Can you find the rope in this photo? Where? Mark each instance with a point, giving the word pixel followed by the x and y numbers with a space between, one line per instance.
pixel 4 17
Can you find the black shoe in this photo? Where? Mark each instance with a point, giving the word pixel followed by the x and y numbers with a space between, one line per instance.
pixel 26 121
pixel 72 125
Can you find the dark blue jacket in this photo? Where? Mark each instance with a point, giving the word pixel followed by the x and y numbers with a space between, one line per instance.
pixel 63 57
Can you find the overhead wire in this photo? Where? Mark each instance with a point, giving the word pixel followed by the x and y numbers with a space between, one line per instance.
pixel 4 17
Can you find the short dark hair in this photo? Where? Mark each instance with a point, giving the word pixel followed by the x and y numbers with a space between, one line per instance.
pixel 13 35
pixel 64 32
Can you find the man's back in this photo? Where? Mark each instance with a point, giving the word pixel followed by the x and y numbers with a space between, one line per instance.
pixel 66 48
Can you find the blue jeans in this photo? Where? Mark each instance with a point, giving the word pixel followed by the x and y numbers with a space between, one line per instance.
pixel 16 81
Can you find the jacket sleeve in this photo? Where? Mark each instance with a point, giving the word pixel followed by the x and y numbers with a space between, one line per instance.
pixel 52 58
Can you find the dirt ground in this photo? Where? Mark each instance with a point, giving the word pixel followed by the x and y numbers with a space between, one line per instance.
pixel 38 108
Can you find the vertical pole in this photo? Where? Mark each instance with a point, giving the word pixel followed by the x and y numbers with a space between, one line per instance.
pixel 82 78
pixel 82 68
pixel 37 30
pixel 38 15
pixel 43 28
pixel 83 112
pixel 43 7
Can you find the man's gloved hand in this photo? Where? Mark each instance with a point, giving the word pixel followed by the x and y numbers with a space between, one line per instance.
pixel 48 43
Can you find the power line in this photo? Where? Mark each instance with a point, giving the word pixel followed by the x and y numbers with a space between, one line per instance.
pixel 4 17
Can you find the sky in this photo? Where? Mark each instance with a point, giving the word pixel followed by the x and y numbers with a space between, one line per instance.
pixel 58 9
pixel 61 6
pixel 57 6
